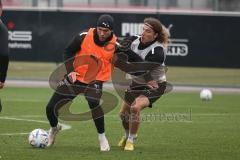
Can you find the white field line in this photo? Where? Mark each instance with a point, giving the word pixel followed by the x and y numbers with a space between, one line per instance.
pixel 27 83
pixel 13 134
pixel 64 126
pixel 116 116
pixel 25 100
pixel 177 88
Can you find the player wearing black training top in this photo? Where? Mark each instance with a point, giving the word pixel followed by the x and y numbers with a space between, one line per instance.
pixel 148 86
pixel 88 43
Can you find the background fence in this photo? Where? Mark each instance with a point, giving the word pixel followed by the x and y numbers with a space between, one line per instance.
pixel 209 5
pixel 209 40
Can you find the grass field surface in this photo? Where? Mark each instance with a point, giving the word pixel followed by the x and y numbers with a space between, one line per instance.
pixel 179 126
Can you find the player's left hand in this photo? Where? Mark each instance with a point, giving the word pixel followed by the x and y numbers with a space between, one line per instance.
pixel 152 84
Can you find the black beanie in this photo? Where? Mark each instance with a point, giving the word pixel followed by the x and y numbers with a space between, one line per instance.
pixel 105 21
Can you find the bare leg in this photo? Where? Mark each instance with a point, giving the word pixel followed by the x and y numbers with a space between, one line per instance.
pixel 124 115
pixel 140 103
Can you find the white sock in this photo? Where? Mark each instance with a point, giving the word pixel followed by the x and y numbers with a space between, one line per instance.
pixel 101 136
pixel 131 137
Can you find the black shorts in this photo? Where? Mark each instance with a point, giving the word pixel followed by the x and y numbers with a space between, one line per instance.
pixel 92 90
pixel 135 90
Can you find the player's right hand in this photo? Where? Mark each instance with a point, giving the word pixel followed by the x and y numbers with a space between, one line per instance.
pixel 72 77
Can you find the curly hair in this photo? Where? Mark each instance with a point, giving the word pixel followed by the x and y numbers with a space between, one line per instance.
pixel 158 27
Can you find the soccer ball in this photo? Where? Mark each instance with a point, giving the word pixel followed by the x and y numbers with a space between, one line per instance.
pixel 38 138
pixel 206 95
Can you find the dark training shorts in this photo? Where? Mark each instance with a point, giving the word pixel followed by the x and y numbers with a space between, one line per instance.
pixel 135 90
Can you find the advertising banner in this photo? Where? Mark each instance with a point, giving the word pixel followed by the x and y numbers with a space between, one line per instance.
pixel 196 40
